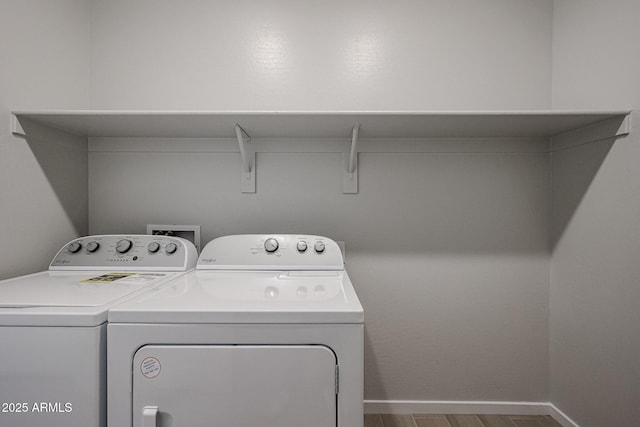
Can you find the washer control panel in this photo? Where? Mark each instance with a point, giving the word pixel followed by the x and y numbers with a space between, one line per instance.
pixel 271 252
pixel 127 253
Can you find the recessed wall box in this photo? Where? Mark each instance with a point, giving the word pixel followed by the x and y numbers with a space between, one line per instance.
pixel 189 232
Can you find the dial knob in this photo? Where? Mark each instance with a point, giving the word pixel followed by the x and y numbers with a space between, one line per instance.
pixel 271 245
pixel 153 247
pixel 93 246
pixel 74 247
pixel 319 246
pixel 123 246
pixel 302 246
pixel 171 248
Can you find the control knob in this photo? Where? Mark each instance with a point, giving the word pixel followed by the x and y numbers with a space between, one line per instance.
pixel 93 246
pixel 74 247
pixel 171 248
pixel 302 246
pixel 153 247
pixel 319 246
pixel 271 245
pixel 123 246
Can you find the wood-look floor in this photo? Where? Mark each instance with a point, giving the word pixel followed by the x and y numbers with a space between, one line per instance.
pixel 420 420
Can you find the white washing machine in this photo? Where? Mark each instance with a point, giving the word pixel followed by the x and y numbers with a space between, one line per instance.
pixel 267 331
pixel 53 325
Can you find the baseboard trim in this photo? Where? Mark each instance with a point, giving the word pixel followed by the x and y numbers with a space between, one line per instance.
pixel 454 407
pixel 561 417
pixel 466 407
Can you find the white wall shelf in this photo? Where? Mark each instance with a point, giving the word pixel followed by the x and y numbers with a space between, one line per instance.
pixel 561 127
pixel 319 124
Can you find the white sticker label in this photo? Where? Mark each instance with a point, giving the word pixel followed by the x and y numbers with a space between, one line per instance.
pixel 150 367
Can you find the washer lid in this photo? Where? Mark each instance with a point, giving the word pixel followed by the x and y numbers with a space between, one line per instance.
pixel 74 289
pixel 247 297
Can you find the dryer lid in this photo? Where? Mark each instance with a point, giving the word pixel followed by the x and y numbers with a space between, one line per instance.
pixel 247 297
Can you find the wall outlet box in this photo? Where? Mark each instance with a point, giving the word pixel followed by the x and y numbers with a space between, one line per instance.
pixel 189 232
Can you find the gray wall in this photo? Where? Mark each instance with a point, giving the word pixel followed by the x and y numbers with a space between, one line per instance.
pixel 594 340
pixel 448 251
pixel 334 54
pixel 43 181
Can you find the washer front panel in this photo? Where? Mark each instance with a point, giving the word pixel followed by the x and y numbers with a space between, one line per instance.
pixel 55 374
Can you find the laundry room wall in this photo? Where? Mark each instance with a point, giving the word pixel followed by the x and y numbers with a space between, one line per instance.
pixel 448 250
pixel 43 181
pixel 448 246
pixel 595 377
pixel 329 55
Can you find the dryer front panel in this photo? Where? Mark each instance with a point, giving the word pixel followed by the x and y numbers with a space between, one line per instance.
pixel 234 386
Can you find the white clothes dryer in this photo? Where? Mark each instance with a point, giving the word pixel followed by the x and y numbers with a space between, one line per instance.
pixel 267 331
pixel 53 325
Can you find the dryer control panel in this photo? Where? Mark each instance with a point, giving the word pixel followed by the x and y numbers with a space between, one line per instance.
pixel 271 252
pixel 127 253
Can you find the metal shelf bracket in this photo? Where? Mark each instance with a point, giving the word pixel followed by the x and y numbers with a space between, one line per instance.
pixel 16 127
pixel 350 163
pixel 247 161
